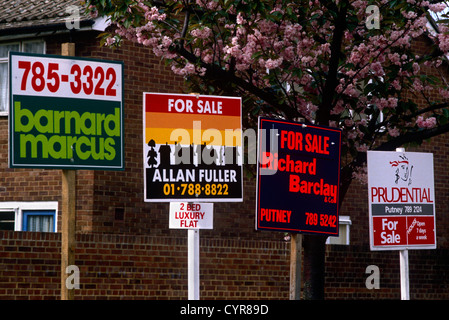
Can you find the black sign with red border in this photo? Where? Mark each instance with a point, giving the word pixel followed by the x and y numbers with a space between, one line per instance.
pixel 298 177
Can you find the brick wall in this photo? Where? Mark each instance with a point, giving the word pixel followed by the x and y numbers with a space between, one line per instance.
pixel 149 267
pixel 126 251
pixel 142 267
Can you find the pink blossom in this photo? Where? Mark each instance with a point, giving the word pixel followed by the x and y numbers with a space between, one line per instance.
pixel 431 122
pixel 443 39
pixel 394 132
pixel 376 67
pixel 417 85
pixel 428 123
pixel 437 7
pixel 396 84
pixel 272 64
pixel 93 11
pixel 392 102
pixel 444 93
pixel 240 19
pixel 187 70
pixel 416 68
pixel 110 41
pixel 361 174
pixel 153 15
pixel 394 58
pixel 383 103
pixel 203 33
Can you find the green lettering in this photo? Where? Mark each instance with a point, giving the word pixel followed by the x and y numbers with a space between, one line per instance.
pixel 22 113
pixel 69 115
pixel 33 141
pixel 90 117
pixel 108 145
pixel 58 115
pixel 100 154
pixel 100 119
pixel 115 119
pixel 47 115
pixel 83 155
pixel 70 146
pixel 61 140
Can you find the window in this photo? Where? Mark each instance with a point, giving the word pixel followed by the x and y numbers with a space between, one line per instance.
pixel 34 46
pixel 344 227
pixel 28 216
pixel 7 219
pixel 38 220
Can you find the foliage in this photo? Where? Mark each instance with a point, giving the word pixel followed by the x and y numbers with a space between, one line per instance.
pixel 318 60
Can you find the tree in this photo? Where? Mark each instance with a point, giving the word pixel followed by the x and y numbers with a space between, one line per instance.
pixel 330 62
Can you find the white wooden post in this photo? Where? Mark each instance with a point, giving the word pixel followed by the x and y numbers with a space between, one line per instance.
pixel 193 261
pixel 405 284
pixel 403 265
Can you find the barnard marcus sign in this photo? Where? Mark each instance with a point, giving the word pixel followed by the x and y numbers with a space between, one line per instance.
pixel 65 113
pixel 401 200
pixel 298 177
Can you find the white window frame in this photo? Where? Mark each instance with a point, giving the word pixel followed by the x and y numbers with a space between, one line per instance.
pixel 344 222
pixel 18 207
pixel 6 60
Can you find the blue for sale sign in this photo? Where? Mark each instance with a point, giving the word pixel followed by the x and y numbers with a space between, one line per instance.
pixel 298 177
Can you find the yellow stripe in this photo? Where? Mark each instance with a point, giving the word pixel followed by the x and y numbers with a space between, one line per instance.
pixel 230 138
pixel 177 120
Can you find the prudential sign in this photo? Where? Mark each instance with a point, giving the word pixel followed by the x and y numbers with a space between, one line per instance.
pixel 65 113
pixel 401 200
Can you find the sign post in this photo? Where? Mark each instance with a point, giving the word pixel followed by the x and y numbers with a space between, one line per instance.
pixel 68 212
pixel 295 266
pixel 65 113
pixel 192 148
pixel 401 200
pixel 193 254
pixel 193 217
pixel 298 179
pixel 403 269
pixel 403 265
pixel 192 152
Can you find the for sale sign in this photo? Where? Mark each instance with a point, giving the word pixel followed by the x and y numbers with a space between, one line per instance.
pixel 192 148
pixel 401 200
pixel 65 113
pixel 298 177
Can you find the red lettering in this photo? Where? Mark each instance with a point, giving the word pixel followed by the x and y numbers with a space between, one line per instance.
pixel 317 144
pixel 275 215
pixel 263 213
pixel 292 140
pixel 293 186
pixel 403 195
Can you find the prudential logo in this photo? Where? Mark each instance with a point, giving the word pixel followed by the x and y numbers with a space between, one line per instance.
pixel 402 170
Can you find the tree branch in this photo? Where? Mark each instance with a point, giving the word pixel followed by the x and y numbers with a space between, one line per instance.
pixel 215 72
pixel 412 137
pixel 323 112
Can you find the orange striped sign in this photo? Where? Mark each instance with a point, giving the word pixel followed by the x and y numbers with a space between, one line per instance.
pixel 215 117
pixel 192 147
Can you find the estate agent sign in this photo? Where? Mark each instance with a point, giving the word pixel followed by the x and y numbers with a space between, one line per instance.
pixel 65 113
pixel 298 177
pixel 192 148
pixel 401 200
